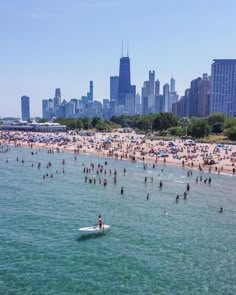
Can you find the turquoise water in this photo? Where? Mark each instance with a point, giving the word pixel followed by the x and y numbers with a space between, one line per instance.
pixel 190 251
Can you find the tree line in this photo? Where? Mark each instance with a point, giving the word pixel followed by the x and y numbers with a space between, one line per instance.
pixel 161 124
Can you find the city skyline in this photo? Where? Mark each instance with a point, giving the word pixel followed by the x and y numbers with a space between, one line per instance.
pixel 53 45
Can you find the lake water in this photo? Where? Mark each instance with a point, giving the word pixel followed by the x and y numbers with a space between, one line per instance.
pixel 192 250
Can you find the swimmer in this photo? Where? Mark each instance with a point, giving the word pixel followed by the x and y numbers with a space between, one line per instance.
pixel 221 210
pixel 177 198
pixel 165 213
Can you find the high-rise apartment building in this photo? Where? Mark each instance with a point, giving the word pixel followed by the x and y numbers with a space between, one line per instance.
pixel 166 97
pixel 194 96
pixel 145 109
pixel 157 87
pixel 114 87
pixel 223 86
pixel 204 96
pixel 45 108
pixel 25 108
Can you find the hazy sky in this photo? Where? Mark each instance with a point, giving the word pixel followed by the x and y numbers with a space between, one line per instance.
pixel 65 43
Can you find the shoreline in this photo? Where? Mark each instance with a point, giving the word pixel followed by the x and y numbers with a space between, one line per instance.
pixel 134 148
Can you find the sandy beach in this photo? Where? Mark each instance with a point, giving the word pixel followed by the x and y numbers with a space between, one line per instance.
pixel 212 158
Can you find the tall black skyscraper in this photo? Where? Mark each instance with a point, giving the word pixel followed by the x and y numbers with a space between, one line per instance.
pixel 124 80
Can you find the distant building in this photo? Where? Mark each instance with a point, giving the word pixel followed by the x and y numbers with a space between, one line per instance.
pixel 90 93
pixel 145 106
pixel 194 97
pixel 137 104
pixel 166 98
pixel 157 87
pixel 25 108
pixel 114 87
pixel 204 96
pixel 57 99
pixel 124 80
pixel 130 104
pixel 173 98
pixel 223 87
pixel 172 85
pixel 45 108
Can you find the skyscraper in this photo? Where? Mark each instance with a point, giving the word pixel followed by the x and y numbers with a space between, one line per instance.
pixel 91 89
pixel 151 82
pixel 124 80
pixel 57 99
pixel 173 96
pixel 45 108
pixel 166 97
pixel 194 97
pixel 172 85
pixel 204 96
pixel 223 86
pixel 114 87
pixel 90 93
pixel 145 109
pixel 157 87
pixel 25 108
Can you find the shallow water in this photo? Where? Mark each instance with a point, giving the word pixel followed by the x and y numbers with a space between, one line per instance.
pixel 192 250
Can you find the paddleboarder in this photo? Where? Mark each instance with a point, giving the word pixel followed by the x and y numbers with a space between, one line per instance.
pixel 100 221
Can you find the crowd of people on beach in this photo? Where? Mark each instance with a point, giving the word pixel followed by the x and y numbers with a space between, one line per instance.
pixel 211 158
pixel 130 147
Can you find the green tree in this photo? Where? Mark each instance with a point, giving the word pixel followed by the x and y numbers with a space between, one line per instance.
pixel 95 121
pixel 163 121
pixel 199 128
pixel 215 118
pixel 216 121
pixel 86 123
pixel 230 122
pixel 217 127
pixel 230 133
pixel 79 124
pixel 177 131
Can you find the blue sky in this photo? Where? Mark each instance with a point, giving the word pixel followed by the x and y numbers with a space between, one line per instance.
pixel 65 43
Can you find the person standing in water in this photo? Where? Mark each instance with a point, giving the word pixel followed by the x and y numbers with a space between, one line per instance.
pixel 188 187
pixel 160 184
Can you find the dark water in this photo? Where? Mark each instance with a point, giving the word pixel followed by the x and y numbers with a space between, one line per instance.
pixel 190 251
